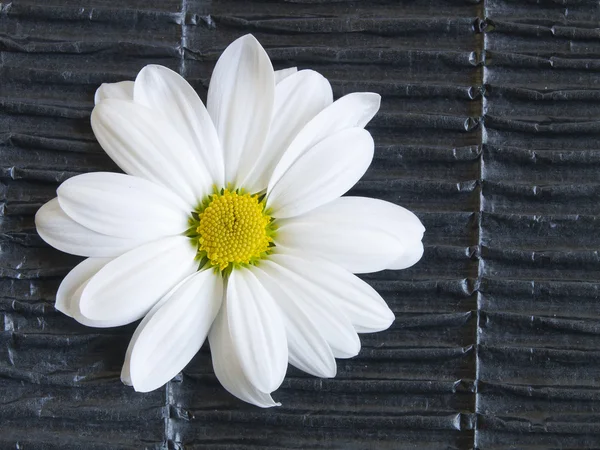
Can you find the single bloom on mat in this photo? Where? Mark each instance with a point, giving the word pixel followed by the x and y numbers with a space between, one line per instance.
pixel 229 223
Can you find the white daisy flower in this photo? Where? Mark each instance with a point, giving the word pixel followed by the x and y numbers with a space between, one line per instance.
pixel 230 224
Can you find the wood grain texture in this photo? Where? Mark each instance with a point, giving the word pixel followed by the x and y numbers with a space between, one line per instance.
pixel 489 130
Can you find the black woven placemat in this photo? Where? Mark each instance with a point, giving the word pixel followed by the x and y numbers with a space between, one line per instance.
pixel 489 130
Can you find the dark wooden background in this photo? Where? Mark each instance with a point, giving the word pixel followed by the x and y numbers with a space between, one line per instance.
pixel 489 130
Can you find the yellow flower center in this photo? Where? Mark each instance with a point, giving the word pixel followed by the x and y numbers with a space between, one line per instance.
pixel 233 228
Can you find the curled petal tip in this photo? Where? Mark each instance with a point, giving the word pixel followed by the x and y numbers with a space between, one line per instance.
pixel 125 380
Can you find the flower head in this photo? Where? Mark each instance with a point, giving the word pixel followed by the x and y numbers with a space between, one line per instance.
pixel 230 224
pixel 232 229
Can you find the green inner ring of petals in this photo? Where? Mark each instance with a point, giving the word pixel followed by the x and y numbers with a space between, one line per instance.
pixel 231 228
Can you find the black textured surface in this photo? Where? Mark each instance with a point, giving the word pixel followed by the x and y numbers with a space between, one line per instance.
pixel 489 130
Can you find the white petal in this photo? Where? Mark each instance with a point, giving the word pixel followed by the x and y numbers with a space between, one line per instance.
pixel 123 90
pixel 360 234
pixel 167 93
pixel 308 349
pixel 240 102
pixel 227 367
pixel 127 288
pixel 257 330
pixel 68 294
pixel 351 111
pixel 125 371
pixel 170 337
pixel 356 249
pixel 146 146
pixel 298 99
pixel 282 74
pixel 411 255
pixel 365 308
pixel 63 233
pixel 121 205
pixel 329 319
pixel 322 174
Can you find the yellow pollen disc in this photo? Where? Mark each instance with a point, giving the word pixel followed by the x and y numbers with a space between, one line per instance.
pixel 233 229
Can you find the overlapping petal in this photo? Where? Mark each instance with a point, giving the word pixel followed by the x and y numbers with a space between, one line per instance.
pixel 363 306
pixel 69 291
pixel 298 99
pixel 257 330
pixel 282 74
pixel 240 103
pixel 127 288
pixel 308 349
pixel 333 324
pixel 360 234
pixel 351 111
pixel 126 369
pixel 146 146
pixel 172 333
pixel 60 231
pixel 322 174
pixel 227 364
pixel 124 206
pixel 171 96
